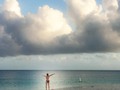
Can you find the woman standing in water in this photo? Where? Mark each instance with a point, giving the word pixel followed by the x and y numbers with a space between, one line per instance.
pixel 48 81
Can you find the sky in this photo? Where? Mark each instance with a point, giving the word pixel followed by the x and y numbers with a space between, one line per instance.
pixel 49 28
pixel 32 5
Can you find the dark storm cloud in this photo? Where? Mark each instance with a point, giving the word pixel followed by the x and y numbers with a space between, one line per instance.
pixel 95 37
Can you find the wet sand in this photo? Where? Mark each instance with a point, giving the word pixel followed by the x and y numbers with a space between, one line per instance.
pixel 93 87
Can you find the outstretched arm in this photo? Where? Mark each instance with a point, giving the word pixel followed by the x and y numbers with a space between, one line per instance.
pixel 52 74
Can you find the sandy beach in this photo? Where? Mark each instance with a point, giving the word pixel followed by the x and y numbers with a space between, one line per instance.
pixel 94 87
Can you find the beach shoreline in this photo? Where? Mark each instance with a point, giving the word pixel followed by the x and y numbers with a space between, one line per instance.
pixel 93 87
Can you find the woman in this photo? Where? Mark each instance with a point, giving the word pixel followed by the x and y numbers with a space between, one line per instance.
pixel 48 81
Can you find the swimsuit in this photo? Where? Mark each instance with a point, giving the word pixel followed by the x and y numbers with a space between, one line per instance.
pixel 47 81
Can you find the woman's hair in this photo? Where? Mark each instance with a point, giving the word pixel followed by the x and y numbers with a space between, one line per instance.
pixel 47 74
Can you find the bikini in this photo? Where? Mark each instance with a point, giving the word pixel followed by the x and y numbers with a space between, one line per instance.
pixel 47 81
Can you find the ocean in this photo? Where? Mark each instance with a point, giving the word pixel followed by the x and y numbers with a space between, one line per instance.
pixel 35 80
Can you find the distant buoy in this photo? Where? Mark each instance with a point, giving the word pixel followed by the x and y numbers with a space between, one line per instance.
pixel 80 80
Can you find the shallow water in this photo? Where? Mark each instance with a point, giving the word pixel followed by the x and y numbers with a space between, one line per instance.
pixel 35 80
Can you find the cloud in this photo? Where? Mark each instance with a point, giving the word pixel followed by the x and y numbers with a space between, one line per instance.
pixel 96 28
pixel 81 8
pixel 83 61
pixel 32 32
pixel 110 5
pixel 12 6
pixel 7 45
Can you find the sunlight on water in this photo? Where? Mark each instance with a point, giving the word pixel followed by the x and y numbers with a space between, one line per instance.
pixel 35 80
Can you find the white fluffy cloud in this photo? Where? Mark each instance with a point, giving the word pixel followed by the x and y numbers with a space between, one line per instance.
pixel 45 25
pixel 111 5
pixel 12 6
pixel 82 7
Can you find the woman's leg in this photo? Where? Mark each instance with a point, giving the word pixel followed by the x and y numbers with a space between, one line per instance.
pixel 46 85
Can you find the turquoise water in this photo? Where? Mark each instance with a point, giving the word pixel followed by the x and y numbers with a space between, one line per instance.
pixel 34 80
